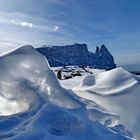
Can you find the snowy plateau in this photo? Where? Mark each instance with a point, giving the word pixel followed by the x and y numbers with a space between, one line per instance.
pixel 35 105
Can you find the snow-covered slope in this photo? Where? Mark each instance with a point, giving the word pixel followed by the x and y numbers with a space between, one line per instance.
pixel 35 107
pixel 118 91
pixel 109 82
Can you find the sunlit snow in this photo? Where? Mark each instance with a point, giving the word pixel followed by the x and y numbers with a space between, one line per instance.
pixel 34 106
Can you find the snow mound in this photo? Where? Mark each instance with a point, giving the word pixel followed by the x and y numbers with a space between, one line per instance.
pixel 35 107
pixel 88 81
pixel 118 91
pixel 109 82
pixel 25 78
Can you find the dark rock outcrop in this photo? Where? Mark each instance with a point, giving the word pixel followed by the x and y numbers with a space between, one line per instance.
pixel 78 54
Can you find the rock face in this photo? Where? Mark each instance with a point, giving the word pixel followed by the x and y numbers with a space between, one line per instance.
pixel 78 54
pixel 104 58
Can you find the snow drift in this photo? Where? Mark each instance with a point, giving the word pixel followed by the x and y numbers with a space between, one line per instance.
pixel 33 105
pixel 117 90
pixel 109 82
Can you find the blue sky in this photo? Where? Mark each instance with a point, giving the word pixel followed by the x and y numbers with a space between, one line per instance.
pixel 115 23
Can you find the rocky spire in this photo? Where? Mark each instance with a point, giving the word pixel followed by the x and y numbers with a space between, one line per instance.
pixel 97 51
pixel 105 58
pixel 104 50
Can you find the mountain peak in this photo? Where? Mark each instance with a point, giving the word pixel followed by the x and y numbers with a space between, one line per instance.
pixel 103 48
pixel 97 50
pixel 78 54
pixel 104 51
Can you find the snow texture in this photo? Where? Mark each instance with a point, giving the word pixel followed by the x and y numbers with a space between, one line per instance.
pixel 109 82
pixel 33 105
pixel 118 91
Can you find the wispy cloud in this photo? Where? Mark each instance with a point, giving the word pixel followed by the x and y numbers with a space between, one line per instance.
pixel 16 22
pixel 22 23
pixel 9 43
pixel 65 22
pixel 26 24
pixel 55 28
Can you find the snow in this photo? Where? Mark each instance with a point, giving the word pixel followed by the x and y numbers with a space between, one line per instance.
pixel 34 106
pixel 109 82
pixel 8 107
pixel 75 81
pixel 118 91
pixel 70 83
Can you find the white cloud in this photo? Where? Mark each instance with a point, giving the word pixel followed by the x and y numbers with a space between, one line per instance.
pixel 27 24
pixel 55 28
pixel 22 23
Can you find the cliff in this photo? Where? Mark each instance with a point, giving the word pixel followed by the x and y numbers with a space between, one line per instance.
pixel 78 54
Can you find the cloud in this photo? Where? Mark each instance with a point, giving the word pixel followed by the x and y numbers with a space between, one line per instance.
pixel 21 23
pixel 55 28
pixel 27 24
pixel 9 43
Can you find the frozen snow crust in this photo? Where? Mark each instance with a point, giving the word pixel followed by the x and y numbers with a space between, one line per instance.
pixel 33 105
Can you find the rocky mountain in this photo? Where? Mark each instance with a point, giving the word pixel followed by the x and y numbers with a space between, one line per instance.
pixel 78 54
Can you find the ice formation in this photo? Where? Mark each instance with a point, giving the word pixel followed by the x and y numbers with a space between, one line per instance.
pixel 33 105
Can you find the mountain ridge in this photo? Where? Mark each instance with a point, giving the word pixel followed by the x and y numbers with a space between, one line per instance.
pixel 78 54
